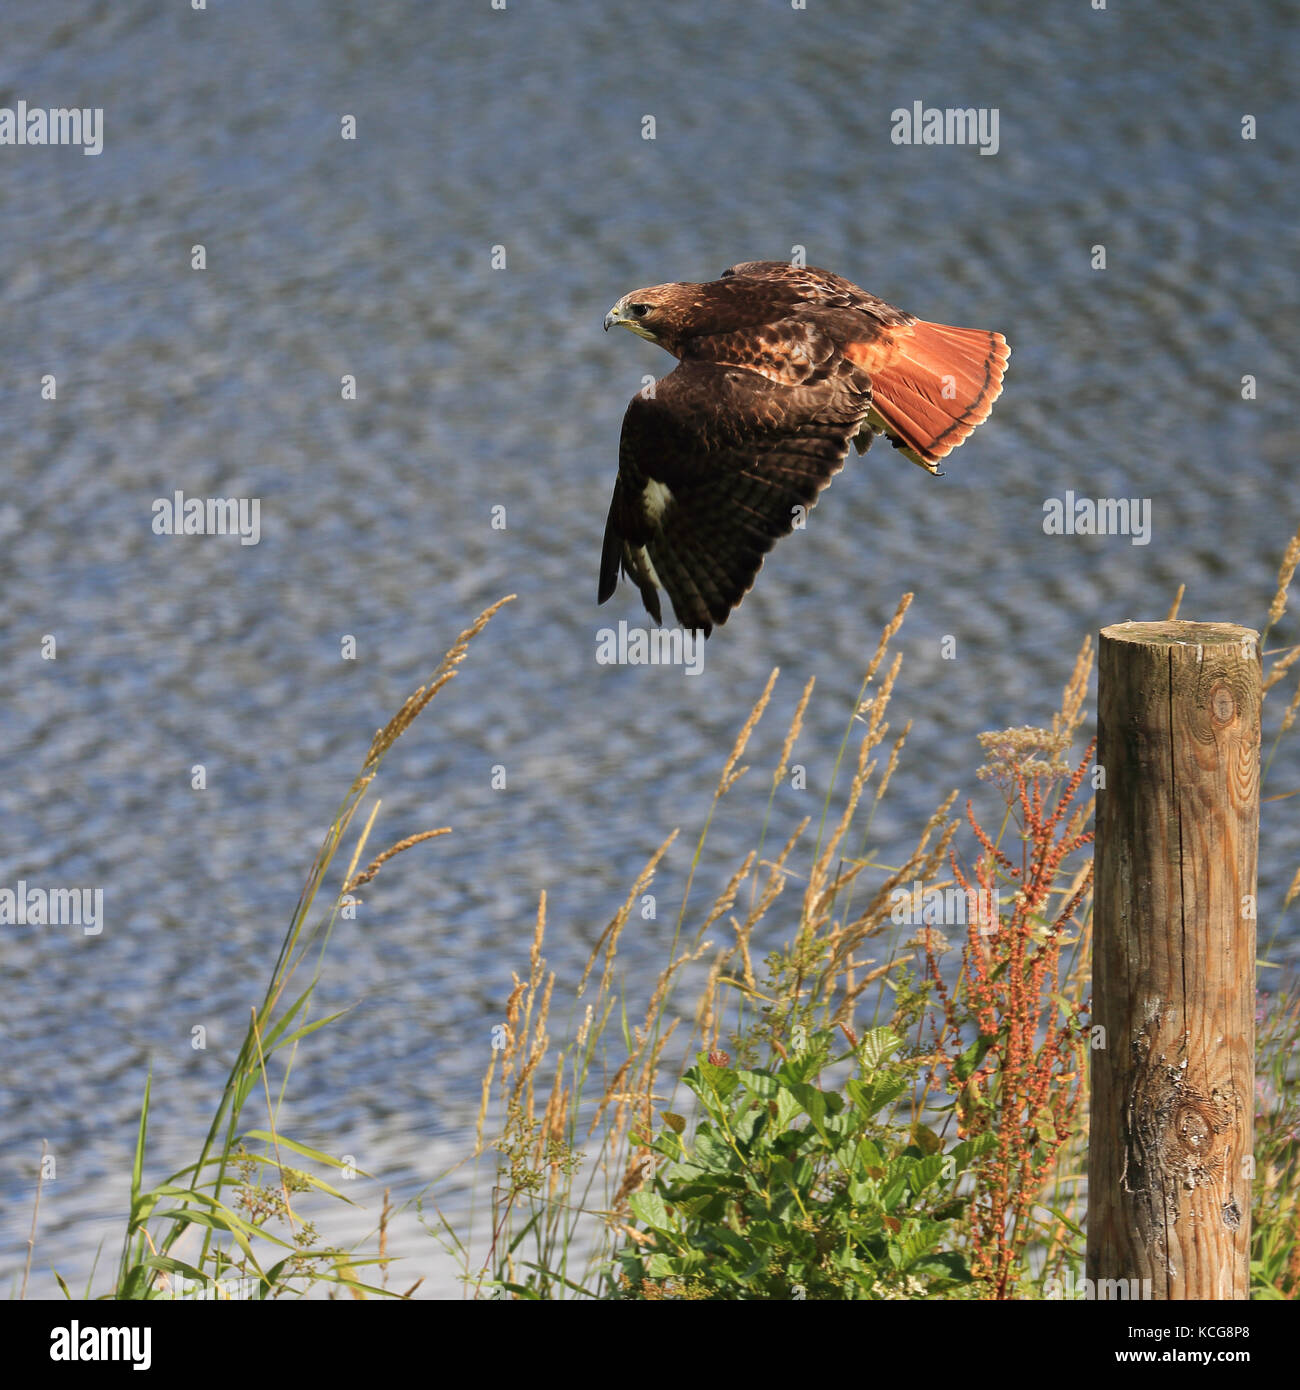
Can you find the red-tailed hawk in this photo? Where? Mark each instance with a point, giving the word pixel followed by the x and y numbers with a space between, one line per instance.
pixel 779 368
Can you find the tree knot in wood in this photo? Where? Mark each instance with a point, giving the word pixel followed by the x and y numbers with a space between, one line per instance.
pixel 1177 1139
pixel 1223 704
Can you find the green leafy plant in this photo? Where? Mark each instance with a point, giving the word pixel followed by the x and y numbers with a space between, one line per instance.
pixel 1275 1251
pixel 789 1190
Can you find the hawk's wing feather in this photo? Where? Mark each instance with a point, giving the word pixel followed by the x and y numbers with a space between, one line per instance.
pixel 713 463
pixel 809 284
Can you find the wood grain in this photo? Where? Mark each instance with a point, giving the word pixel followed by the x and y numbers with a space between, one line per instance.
pixel 1172 1069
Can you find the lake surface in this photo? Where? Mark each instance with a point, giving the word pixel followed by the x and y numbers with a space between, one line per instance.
pixel 481 387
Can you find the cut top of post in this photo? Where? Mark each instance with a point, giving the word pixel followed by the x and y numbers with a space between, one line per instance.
pixel 1178 633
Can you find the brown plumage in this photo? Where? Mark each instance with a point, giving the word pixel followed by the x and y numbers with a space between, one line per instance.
pixel 780 368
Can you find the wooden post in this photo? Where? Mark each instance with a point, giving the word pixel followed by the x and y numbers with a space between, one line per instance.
pixel 1170 1155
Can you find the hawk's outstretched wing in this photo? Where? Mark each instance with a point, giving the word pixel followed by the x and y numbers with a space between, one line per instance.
pixel 714 464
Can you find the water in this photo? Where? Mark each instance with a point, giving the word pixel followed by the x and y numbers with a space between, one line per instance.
pixel 480 387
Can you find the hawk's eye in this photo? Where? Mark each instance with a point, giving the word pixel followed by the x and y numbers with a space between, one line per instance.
pixel 639 310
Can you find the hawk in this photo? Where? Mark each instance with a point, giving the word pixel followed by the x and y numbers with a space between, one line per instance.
pixel 780 368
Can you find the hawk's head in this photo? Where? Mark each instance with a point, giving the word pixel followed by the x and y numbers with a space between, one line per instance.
pixel 654 313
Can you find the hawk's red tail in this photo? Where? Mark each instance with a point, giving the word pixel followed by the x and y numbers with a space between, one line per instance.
pixel 932 384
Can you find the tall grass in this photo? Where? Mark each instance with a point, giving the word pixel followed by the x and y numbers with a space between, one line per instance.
pixel 576 1128
pixel 238 1196
pixel 820 967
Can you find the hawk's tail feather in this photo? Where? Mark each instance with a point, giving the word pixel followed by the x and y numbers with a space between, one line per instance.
pixel 933 385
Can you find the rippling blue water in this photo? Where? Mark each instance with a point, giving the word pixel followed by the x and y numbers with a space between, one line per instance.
pixel 480 387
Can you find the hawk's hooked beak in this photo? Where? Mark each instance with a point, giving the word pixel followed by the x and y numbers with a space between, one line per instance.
pixel 619 314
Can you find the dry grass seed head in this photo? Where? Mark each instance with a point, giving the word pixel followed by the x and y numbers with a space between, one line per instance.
pixel 1285 573
pixel 1072 713
pixel 776 878
pixel 1289 717
pixel 923 864
pixel 796 727
pixel 1293 892
pixel 640 1099
pixel 416 703
pixel 887 636
pixel 371 869
pixel 484 1096
pixel 730 773
pixel 1280 667
pixel 707 1019
pixel 609 937
pixel 612 1092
